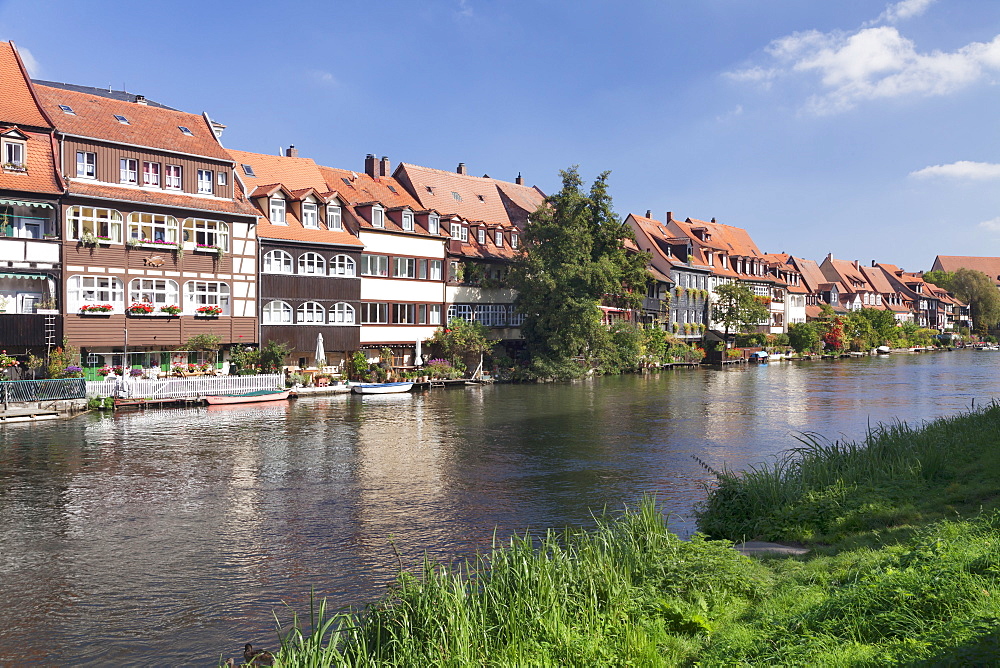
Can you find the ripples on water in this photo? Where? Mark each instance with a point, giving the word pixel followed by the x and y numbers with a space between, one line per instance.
pixel 169 536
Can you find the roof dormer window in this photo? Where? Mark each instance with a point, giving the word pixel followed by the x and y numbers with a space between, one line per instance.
pixel 310 215
pixel 498 238
pixel 513 240
pixel 277 211
pixel 408 221
pixel 334 221
pixel 378 216
pixel 481 235
pixel 433 224
pixel 14 155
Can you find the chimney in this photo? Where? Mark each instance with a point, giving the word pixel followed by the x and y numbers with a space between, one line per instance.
pixel 713 219
pixel 649 213
pixel 140 99
pixel 519 180
pixel 370 169
pixel 291 151
pixel 461 168
pixel 873 263
pixel 857 265
pixel 384 167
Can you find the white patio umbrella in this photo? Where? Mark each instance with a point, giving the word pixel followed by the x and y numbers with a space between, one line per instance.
pixel 417 359
pixel 320 351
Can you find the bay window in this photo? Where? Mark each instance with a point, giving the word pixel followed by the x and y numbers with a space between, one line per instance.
pixel 155 291
pixel 152 228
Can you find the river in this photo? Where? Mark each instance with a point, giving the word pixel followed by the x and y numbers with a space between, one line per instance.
pixel 167 537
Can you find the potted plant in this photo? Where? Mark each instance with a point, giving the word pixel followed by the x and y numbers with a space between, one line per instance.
pixel 96 309
pixel 140 308
pixel 47 305
pixel 170 309
pixel 4 301
pixel 210 248
pixel 208 311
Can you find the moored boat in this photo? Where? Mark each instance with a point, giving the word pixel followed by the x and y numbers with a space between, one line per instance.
pixel 381 388
pixel 247 397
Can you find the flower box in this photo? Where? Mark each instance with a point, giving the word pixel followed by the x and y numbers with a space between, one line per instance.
pixel 170 310
pixel 209 250
pixel 208 311
pixel 140 309
pixel 96 309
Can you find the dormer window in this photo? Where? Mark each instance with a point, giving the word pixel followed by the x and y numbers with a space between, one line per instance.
pixel 408 221
pixel 310 217
pixel 14 155
pixel 481 235
pixel 378 216
pixel 334 221
pixel 498 238
pixel 456 196
pixel 433 224
pixel 277 211
pixel 513 240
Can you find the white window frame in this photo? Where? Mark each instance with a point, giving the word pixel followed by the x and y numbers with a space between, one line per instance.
pixel 343 265
pixel 404 267
pixel 86 165
pixel 380 310
pixel 312 313
pixel 433 314
pixel 206 179
pixel 378 216
pixel 206 293
pixel 433 224
pixel 435 270
pixel 155 291
pixel 498 238
pixel 407 221
pixel 310 215
pixel 173 177
pixel 375 265
pixel 129 170
pixel 97 221
pixel 277 262
pixel 221 177
pixel 513 240
pixel 276 312
pixel 83 289
pixel 312 264
pixel 404 314
pixel 202 233
pixel 152 228
pixel 462 312
pixel 334 217
pixel 481 235
pixel 151 174
pixel 341 313
pixel 277 213
pixel 15 154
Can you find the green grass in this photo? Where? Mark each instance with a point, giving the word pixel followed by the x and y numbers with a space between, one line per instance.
pixel 906 571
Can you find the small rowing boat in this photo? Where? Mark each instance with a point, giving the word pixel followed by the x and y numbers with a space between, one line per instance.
pixel 381 388
pixel 247 397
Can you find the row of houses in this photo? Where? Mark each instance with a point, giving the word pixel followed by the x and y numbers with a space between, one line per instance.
pixel 127 226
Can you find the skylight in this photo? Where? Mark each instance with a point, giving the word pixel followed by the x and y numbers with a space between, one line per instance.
pixel 458 198
pixel 393 189
pixel 429 189
pixel 345 180
pixel 481 198
pixel 248 170
pixel 66 109
pixel 121 119
pixel 185 130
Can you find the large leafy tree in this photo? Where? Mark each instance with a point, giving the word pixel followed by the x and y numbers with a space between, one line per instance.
pixel 572 260
pixel 737 308
pixel 975 289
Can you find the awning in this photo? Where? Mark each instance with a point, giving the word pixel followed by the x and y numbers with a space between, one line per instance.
pixel 17 202
pixel 27 277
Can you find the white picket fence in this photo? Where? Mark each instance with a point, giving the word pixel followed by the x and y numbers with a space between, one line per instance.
pixel 182 388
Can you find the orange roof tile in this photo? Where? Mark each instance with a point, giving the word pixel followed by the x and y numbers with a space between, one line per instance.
pixel 18 104
pixel 988 265
pixel 160 198
pixel 148 125
pixel 474 198
pixel 40 176
pixel 358 188
pixel 295 232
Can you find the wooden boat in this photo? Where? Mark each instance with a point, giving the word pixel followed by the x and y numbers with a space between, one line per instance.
pixel 247 397
pixel 381 388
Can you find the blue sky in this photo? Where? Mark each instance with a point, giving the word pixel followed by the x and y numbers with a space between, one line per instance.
pixel 862 128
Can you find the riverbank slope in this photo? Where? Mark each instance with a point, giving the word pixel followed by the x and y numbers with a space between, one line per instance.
pixel 905 567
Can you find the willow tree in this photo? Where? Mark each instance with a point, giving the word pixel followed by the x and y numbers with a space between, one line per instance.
pixel 573 260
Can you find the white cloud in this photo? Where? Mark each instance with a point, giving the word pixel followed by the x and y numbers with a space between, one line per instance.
pixel 30 63
pixel 990 225
pixel 732 113
pixel 872 63
pixel 963 169
pixel 464 9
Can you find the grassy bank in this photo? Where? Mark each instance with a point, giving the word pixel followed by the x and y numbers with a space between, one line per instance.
pixel 905 570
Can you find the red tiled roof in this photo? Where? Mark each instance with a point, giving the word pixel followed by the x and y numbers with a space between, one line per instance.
pixel 160 198
pixel 812 277
pixel 149 126
pixel 478 196
pixel 295 232
pixel 527 198
pixel 988 265
pixel 359 188
pixel 40 176
pixel 18 104
pixel 847 274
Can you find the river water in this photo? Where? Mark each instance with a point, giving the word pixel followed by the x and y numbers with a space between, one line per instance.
pixel 168 537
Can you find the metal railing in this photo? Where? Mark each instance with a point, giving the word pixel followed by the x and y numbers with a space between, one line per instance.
pixel 22 391
pixel 182 388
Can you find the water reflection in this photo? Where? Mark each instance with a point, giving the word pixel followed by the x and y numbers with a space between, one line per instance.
pixel 168 536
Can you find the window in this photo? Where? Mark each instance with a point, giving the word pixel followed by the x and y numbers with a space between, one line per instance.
pixel 86 165
pixel 408 221
pixel 378 217
pixel 248 170
pixel 207 233
pixel 121 119
pixel 498 238
pixel 13 155
pixel 155 291
pixel 434 314
pixel 151 174
pixel 278 211
pixel 513 240
pixel 333 217
pixel 460 311
pixel 374 265
pixel 456 196
pixel 374 314
pixel 206 293
pixel 185 130
pixel 152 228
pixel 311 312
pixel 312 264
pixel 102 223
pixel 404 314
pixel 435 270
pixel 492 315
pixel 459 231
pixel 481 235
pixel 310 218
pixel 277 262
pixel 433 224
pixel 342 314
pixel 223 179
pixel 95 290
pixel 205 178
pixel 66 109
pixel 342 265
pixel 129 170
pixel 422 269
pixel 276 313
pixel 172 177
pixel 404 267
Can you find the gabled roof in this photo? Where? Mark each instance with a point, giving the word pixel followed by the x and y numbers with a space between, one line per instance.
pixel 847 273
pixel 148 126
pixel 878 280
pixel 651 236
pixel 40 175
pixel 474 198
pixel 812 276
pixel 733 240
pixel 360 188
pixel 18 103
pixel 988 265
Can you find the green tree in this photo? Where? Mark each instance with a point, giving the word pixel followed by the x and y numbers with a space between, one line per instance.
pixel 461 341
pixel 942 279
pixel 737 308
pixel 203 342
pixel 572 260
pixel 802 336
pixel 272 356
pixel 978 291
